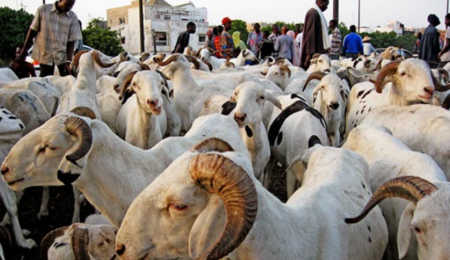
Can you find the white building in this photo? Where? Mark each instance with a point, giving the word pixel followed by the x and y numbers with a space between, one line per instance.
pixel 162 25
pixel 393 26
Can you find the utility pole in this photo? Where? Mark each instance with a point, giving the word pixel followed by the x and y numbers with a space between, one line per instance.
pixel 447 7
pixel 336 10
pixel 359 15
pixel 141 25
pixel 43 1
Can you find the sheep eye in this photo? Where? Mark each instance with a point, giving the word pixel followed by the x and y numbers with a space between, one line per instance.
pixel 262 97
pixel 42 149
pixel 403 74
pixel 178 207
pixel 417 230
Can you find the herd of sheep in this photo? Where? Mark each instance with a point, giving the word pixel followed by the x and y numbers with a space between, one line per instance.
pixel 177 155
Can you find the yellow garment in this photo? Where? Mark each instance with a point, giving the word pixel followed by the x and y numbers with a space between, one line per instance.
pixel 236 39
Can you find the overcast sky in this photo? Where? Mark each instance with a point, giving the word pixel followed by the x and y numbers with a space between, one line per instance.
pixel 412 13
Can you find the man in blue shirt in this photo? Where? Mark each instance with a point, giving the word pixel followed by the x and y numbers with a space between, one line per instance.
pixel 353 45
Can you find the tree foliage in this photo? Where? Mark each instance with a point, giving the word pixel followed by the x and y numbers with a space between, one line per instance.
pixel 239 26
pixel 104 40
pixel 14 29
pixel 291 26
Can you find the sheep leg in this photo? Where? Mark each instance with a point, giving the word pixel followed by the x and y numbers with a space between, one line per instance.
pixel 291 180
pixel 77 204
pixel 43 211
pixel 8 199
pixel 268 173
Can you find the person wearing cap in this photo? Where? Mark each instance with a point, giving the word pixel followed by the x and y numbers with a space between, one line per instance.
pixel 226 41
pixel 183 38
pixel 209 42
pixel 444 55
pixel 429 46
pixel 368 48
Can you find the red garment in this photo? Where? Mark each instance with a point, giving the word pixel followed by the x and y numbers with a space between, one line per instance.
pixel 218 46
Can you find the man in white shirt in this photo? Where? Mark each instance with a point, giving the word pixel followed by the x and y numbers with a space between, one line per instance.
pixel 444 55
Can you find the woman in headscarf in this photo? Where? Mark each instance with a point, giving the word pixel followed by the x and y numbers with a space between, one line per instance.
pixel 239 45
pixel 296 54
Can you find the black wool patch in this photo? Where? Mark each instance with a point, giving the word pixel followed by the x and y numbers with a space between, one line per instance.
pixel 227 107
pixel 249 131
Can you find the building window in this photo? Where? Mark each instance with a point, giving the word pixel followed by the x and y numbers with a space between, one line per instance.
pixel 122 40
pixel 201 38
pixel 121 20
pixel 161 38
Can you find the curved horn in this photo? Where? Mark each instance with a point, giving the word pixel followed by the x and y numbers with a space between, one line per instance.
pixel 315 75
pixel 80 241
pixel 212 145
pixel 197 54
pixel 280 61
pixel 210 50
pixel 124 87
pixel 367 64
pixel 343 75
pixel 408 187
pixel 48 240
pixel 316 55
pixel 78 127
pixel 446 103
pixel 76 58
pixel 444 73
pixel 123 56
pixel 95 55
pixel 161 62
pixel 209 65
pixel 245 53
pixel 144 66
pixel 84 111
pixel 382 78
pixel 438 85
pixel 286 69
pixel 230 64
pixel 218 174
pixel 144 56
pixel 193 60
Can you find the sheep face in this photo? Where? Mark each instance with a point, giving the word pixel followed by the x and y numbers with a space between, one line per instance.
pixel 166 211
pixel 429 222
pixel 205 55
pixel 413 81
pixel 248 55
pixel 322 63
pixel 148 86
pixel 277 76
pixel 35 158
pixel 329 89
pixel 101 244
pixel 250 98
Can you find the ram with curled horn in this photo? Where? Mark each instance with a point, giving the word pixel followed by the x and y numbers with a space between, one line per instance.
pixel 424 223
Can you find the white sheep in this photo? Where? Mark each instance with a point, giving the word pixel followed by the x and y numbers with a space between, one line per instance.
pixel 425 218
pixel 290 131
pixel 422 128
pixel 7 75
pixel 80 241
pixel 244 55
pixel 141 120
pixel 109 171
pixel 207 54
pixel 389 158
pixel 411 82
pixel 217 209
pixel 11 129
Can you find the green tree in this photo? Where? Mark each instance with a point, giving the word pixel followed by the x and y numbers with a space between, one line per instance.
pixel 239 26
pixel 14 29
pixel 291 26
pixel 104 40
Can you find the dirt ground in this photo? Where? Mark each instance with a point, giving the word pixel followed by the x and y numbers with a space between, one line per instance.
pixel 61 209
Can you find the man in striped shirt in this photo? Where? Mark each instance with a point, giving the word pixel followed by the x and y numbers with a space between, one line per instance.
pixel 55 29
pixel 336 41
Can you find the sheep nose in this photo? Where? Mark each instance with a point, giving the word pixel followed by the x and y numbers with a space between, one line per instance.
pixel 120 249
pixel 334 106
pixel 429 90
pixel 152 102
pixel 4 170
pixel 239 117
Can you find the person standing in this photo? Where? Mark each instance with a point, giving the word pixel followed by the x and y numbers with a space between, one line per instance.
pixel 315 33
pixel 299 42
pixel 336 41
pixel 217 41
pixel 444 55
pixel 284 45
pixel 417 43
pixel 273 37
pixel 55 29
pixel 226 41
pixel 183 38
pixel 254 38
pixel 298 29
pixel 209 42
pixel 296 53
pixel 265 46
pixel 429 45
pixel 353 46
pixel 367 46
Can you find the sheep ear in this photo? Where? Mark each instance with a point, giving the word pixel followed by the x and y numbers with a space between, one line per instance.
pixel 317 89
pixel 273 99
pixel 207 227
pixel 404 235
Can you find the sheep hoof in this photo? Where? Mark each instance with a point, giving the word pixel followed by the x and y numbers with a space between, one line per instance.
pixel 42 214
pixel 26 232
